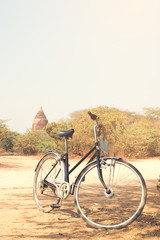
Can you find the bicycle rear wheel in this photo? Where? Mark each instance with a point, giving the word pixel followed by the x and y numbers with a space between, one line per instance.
pixel 48 176
pixel 121 205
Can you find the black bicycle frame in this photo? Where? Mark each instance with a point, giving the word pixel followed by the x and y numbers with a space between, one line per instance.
pixel 66 162
pixel 67 172
pixel 96 154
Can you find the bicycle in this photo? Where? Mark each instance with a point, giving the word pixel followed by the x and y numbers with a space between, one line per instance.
pixel 108 192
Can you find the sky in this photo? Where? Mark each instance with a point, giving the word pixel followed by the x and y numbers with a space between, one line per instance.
pixel 70 55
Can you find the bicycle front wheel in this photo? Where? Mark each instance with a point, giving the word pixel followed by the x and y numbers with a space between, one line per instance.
pixel 115 208
pixel 48 176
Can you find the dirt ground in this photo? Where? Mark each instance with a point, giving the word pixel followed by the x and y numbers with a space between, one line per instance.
pixel 21 219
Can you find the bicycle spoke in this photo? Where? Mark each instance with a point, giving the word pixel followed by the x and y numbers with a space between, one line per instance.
pixel 48 177
pixel 120 207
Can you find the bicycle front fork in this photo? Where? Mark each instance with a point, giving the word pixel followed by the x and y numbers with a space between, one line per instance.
pixel 109 164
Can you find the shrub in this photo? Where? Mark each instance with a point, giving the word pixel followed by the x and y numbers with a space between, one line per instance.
pixel 33 142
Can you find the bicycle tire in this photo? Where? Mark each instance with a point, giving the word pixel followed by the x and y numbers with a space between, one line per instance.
pixel 126 200
pixel 47 195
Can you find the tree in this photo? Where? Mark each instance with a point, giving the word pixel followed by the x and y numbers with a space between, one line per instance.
pixel 128 133
pixel 152 112
pixel 7 142
pixel 6 137
pixel 33 142
pixel 52 129
pixel 3 129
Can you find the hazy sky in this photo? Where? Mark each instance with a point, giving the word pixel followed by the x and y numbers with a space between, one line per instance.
pixel 68 55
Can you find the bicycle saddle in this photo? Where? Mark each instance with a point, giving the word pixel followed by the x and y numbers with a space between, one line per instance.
pixel 65 133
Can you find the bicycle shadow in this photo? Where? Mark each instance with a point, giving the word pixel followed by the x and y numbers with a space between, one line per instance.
pixel 149 220
pixel 65 223
pixel 151 214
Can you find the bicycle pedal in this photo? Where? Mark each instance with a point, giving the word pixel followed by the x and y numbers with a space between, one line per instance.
pixel 55 206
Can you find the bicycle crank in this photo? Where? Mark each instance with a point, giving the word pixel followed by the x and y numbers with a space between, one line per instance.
pixel 64 190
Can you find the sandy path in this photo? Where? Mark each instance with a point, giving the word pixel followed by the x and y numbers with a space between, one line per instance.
pixel 20 218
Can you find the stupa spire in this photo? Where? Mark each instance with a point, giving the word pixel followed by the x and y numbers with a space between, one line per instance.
pixel 40 120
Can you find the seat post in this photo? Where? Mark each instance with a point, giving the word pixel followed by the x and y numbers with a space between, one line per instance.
pixel 66 145
pixel 66 161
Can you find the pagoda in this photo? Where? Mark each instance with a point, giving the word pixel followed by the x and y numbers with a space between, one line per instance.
pixel 40 120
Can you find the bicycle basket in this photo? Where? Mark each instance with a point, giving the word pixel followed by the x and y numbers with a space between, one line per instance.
pixel 104 145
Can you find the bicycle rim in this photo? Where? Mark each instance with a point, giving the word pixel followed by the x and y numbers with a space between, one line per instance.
pixel 46 195
pixel 119 208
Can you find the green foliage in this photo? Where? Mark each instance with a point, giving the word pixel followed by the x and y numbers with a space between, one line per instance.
pixel 6 137
pixel 138 142
pixel 45 142
pixel 53 128
pixel 152 112
pixel 3 129
pixel 33 142
pixel 26 144
pixel 128 134
pixel 7 142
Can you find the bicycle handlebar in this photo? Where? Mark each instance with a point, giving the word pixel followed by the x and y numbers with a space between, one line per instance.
pixel 93 116
pixel 99 123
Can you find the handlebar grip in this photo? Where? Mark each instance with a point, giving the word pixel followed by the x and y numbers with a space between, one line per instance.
pixel 93 116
